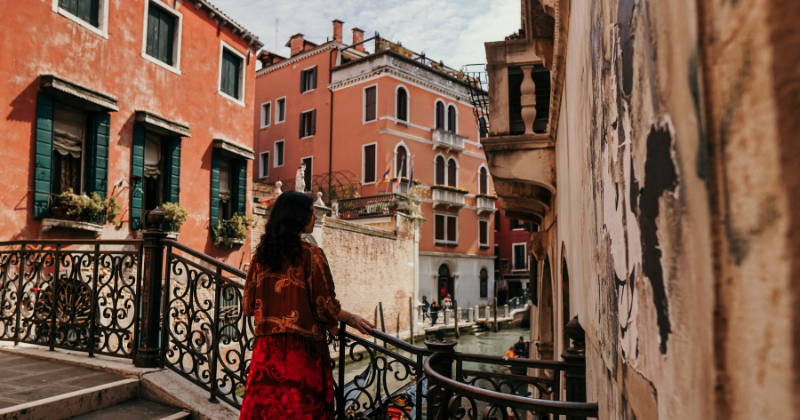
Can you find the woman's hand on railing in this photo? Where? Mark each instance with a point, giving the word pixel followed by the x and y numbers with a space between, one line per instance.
pixel 359 323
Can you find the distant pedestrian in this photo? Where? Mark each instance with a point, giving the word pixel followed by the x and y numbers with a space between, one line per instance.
pixel 434 312
pixel 519 347
pixel 510 352
pixel 443 292
pixel 448 303
pixel 425 307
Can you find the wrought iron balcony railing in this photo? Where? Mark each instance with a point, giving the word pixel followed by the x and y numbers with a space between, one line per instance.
pixel 375 206
pixel 110 297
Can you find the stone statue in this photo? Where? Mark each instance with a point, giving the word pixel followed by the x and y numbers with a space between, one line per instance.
pixel 300 179
pixel 277 191
pixel 319 202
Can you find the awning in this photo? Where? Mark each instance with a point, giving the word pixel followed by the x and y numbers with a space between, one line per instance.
pixel 76 95
pixel 161 125
pixel 234 150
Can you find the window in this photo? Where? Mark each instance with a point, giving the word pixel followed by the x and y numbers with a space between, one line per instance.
pixel 452 119
pixel 266 113
pixel 308 123
pixel 505 264
pixel 279 153
pixel 439 171
pixel 483 181
pixel 401 165
pixel 162 38
pixel 225 202
pixel 228 185
pixel 264 163
pixel 496 220
pixel 153 183
pixel 483 127
pixel 445 229
pixel 483 233
pixel 484 279
pixel 369 174
pixel 439 115
pixel 452 173
pixel 280 112
pixel 308 79
pixel 69 138
pixel 231 80
pixel 401 105
pixel 309 164
pixel 370 103
pixel 85 10
pixel 520 257
pixel 156 160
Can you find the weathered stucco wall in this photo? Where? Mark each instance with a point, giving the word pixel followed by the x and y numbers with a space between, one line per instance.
pixel 673 213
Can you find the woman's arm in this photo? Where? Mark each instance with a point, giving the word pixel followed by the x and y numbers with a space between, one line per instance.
pixel 356 321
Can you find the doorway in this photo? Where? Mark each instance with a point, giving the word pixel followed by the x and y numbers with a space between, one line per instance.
pixel 445 284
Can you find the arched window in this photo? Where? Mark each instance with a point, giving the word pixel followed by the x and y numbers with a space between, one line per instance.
pixel 401 166
pixel 484 277
pixel 483 127
pixel 401 105
pixel 452 121
pixel 483 181
pixel 440 115
pixel 439 171
pixel 445 283
pixel 452 173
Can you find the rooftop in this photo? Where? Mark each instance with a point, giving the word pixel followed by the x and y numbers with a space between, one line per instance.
pixel 225 20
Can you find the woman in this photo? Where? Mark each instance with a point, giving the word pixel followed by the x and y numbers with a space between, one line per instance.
pixel 290 292
pixel 434 312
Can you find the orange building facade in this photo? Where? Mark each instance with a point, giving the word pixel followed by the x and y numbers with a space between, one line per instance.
pixel 149 102
pixel 348 114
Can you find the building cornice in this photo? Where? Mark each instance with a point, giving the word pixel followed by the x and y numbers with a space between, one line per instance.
pixel 455 255
pixel 224 20
pixel 300 57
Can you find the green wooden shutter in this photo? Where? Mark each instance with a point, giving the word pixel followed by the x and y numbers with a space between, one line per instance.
pixel 214 187
pixel 137 169
pixel 239 172
pixel 172 188
pixel 44 154
pixel 97 162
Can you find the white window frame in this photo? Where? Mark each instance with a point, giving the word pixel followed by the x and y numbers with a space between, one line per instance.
pixel 364 104
pixel 301 75
pixel 445 241
pixel 434 114
pixel 267 114
pixel 394 157
pixel 275 157
pixel 278 112
pixel 482 165
pixel 242 72
pixel 408 104
pixel 176 48
pixel 488 231
pixel 514 256
pixel 261 162
pixel 102 18
pixel 447 120
pixel 447 172
pixel 302 116
pixel 364 163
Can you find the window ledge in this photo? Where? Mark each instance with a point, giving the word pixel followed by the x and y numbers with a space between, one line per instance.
pixel 48 224
pixel 170 235
pixel 84 24
pixel 310 90
pixel 306 137
pixel 230 98
pixel 161 64
pixel 445 243
pixel 234 243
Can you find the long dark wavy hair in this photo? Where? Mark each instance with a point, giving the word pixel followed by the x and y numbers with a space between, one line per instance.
pixel 290 215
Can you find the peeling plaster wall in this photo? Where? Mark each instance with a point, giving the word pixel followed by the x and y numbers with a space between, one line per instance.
pixel 672 211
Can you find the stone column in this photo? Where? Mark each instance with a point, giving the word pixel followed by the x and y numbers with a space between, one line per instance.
pixel 505 311
pixel 448 315
pixel 471 315
pixel 575 373
pixel 528 98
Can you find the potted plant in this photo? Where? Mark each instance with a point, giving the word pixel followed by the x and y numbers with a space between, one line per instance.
pixel 175 214
pixel 231 232
pixel 71 206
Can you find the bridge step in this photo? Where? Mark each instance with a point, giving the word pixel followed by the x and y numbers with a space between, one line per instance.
pixel 137 409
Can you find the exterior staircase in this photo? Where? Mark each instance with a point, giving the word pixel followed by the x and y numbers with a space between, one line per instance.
pixel 36 389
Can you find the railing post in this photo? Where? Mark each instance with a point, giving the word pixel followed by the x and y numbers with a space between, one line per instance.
pixel 495 314
pixel 149 351
pixel 340 388
pixel 443 365
pixel 471 315
pixel 575 372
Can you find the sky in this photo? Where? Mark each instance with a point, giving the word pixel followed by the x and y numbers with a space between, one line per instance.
pixel 449 30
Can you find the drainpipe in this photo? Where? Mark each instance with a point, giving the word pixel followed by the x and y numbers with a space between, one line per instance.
pixel 330 134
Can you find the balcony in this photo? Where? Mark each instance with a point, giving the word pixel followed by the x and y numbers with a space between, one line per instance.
pixel 486 203
pixel 363 207
pixel 448 196
pixel 446 140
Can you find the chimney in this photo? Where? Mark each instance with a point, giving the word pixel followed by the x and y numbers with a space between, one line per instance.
pixel 337 30
pixel 296 44
pixel 358 36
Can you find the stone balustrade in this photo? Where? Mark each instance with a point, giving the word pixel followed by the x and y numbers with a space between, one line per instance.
pixel 447 140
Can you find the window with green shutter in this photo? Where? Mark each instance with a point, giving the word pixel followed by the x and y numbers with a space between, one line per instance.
pixel 231 74
pixel 85 10
pixel 228 186
pixel 156 168
pixel 160 34
pixel 44 154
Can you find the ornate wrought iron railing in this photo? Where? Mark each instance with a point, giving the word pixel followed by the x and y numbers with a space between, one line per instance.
pixel 75 295
pixel 164 304
pixel 375 206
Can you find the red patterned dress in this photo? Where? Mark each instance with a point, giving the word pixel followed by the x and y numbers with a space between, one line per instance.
pixel 290 372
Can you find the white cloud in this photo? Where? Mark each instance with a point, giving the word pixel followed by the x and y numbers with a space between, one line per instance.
pixel 449 30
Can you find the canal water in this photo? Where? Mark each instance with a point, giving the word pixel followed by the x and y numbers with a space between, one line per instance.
pixel 488 343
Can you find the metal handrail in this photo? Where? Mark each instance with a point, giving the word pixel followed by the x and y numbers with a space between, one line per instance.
pixel 506 400
pixel 208 259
